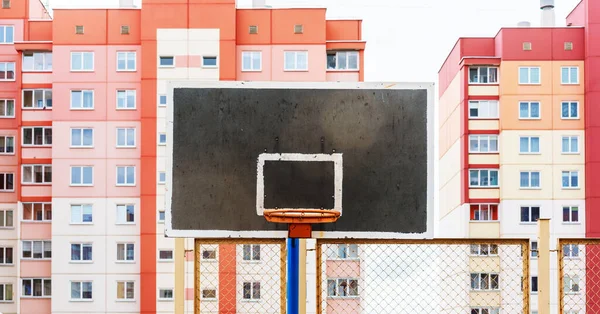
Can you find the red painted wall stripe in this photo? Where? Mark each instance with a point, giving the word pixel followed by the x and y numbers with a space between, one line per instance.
pixel 227 279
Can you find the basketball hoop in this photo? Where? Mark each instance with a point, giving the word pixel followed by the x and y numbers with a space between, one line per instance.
pixel 301 216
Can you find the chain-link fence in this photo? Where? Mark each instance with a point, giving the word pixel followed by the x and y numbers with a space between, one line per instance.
pixel 579 275
pixel 240 276
pixel 438 276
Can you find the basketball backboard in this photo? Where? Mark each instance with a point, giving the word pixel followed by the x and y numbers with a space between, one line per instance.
pixel 236 149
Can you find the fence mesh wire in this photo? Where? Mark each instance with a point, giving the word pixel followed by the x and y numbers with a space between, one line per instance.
pixel 477 277
pixel 579 263
pixel 240 276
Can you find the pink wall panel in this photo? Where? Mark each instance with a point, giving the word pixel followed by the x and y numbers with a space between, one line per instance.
pixel 36 115
pixel 62 98
pixel 343 305
pixel 189 293
pixel 9 197
pixel 44 153
pixel 18 36
pixel 36 306
pixel 577 16
pixel 112 189
pixel 61 184
pixel 62 65
pixel 62 149
pixel 37 190
pixel 265 73
pixel 36 231
pixel 35 268
pixel 123 76
pixel 343 269
pixel 111 140
pixel 316 63
pixel 333 76
pixel 111 102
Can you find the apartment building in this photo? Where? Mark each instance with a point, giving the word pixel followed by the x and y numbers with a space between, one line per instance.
pixel 82 134
pixel 517 139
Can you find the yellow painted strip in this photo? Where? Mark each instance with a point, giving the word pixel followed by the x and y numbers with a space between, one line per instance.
pixel 543 266
pixel 302 278
pixel 179 276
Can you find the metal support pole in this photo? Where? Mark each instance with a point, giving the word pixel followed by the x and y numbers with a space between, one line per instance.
pixel 544 266
pixel 293 264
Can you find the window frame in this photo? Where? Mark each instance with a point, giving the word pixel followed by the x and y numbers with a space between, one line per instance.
pixel 82 91
pixel 160 103
pixel 5 148
pixel 569 282
pixel 165 260
pixel 489 186
pixel 529 68
pixel 482 138
pixel 81 145
pixel 83 207
pixel 83 53
pixel 530 215
pixel 7 65
pixel 81 260
pixel 5 294
pixel 252 257
pixel 125 289
pixel 45 98
pixel 205 248
pixel 6 102
pixel 530 103
pixel 252 297
pixel 4 29
pixel 570 176
pixel 43 290
pixel 203 298
pixel 43 242
pixel 161 212
pixel 161 180
pixel 571 209
pixel 489 103
pixel 295 69
pixel 44 63
pixel 480 252
pixel 82 176
pixel 160 298
pixel 210 66
pixel 529 180
pixel 3 259
pixel 569 68
pixel 567 251
pixel 489 309
pixel 337 285
pixel 569 103
pixel 33 166
pixel 81 297
pixel 529 145
pixel 337 58
pixel 127 53
pixel 534 252
pixel 33 212
pixel 487 67
pixel 45 142
pixel 252 53
pixel 126 130
pixel 126 92
pixel 4 178
pixel 125 256
pixel 160 65
pixel 160 142
pixel 492 211
pixel 125 177
pixel 123 221
pixel 489 279
pixel 570 139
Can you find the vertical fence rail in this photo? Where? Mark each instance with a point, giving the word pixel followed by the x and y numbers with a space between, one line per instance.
pixel 579 275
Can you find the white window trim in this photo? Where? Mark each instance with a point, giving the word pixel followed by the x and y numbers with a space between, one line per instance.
pixel 126 53
pixel 82 213
pixel 158 101
pixel 215 249
pixel 479 176
pixel 479 250
pixel 478 136
pixel 166 260
pixel 571 222
pixel 251 52
pixel 569 68
pixel 5 146
pixel 126 129
pixel 6 63
pixel 5 27
pixel 35 297
pixel 44 128
pixel 4 248
pixel 82 146
pixel 530 222
pixel 160 221
pixel 337 285
pixel 209 299
pixel 572 280
pixel 44 53
pixel 489 214
pixel 159 181
pixel 125 261
pixel 571 256
pixel 529 76
pixel 44 220
pixel 159 142
pixel 251 260
pixel 578 152
pixel 530 187
pixel 81 261
pixel 478 102
pixel 295 69
pixel 489 281
pixel 82 61
pixel 33 94
pixel 125 168
pixel 532 251
pixel 166 66
pixel 529 137
pixel 210 66
pixel 570 176
pixel 569 104
pixel 125 218
pixel 125 299
pixel 81 299
pixel 32 174
pixel 43 250
pixel 12 300
pixel 159 298
pixel 4 211
pixel 3 174
pixel 484 66
pixel 80 184
pixel 529 109
pixel 82 91
pixel 5 108
pixel 347 52
pixel 134 99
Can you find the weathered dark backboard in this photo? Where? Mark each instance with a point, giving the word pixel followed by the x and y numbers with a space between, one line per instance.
pixel 235 149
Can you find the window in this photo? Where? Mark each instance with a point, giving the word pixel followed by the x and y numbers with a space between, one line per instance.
pixel 125 214
pixel 534 249
pixel 7 71
pixel 485 310
pixel 483 178
pixel 529 110
pixel 484 281
pixel 37 98
pixel 570 179
pixel 37 249
pixel 529 145
pixel 7 108
pixel 82 61
pixel 7 145
pixel 209 253
pixel 165 294
pixel 483 143
pixel 6 4
pixel 125 290
pixel 161 216
pixel 534 284
pixel 571 284
pixel 37 61
pixel 209 62
pixel 295 61
pixel 570 145
pixel 529 75
pixel 343 251
pixel 81 252
pixel 37 212
pixel 7 34
pixel 37 288
pixel 571 250
pixel 126 60
pixel 483 75
pixel 6 256
pixel 37 136
pixel 209 294
pixel 570 213
pixel 82 175
pixel 125 175
pixel 530 180
pixel 6 292
pixel 82 137
pixel 125 137
pixel 165 255
pixel 7 182
pixel 6 219
pixel 251 61
pixel 162 177
pixel 126 99
pixel 81 214
pixel 484 249
pixel 484 212
pixel 251 252
pixel 36 174
pixel 125 252
pixel 530 213
pixel 162 138
pixel 342 287
pixel 166 61
pixel 82 99
pixel 569 110
pixel 162 100
pixel 251 290
pixel 483 109
pixel 81 290
pixel 569 75
pixel 342 60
